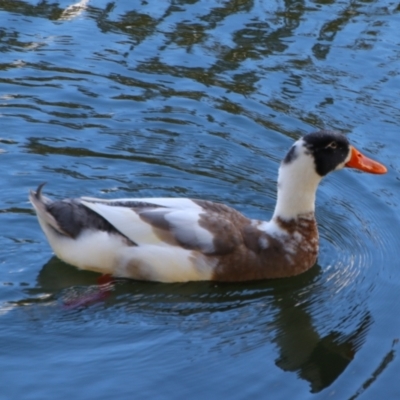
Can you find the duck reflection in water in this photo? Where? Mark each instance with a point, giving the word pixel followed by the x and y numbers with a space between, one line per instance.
pixel 278 312
pixel 318 359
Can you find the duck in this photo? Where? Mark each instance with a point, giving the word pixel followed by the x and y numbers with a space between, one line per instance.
pixel 183 239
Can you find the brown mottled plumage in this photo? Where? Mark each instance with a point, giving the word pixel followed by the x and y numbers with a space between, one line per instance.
pixel 272 261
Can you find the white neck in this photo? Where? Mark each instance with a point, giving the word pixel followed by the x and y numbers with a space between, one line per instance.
pixel 297 186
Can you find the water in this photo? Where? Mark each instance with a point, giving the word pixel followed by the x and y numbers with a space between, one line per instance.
pixel 199 99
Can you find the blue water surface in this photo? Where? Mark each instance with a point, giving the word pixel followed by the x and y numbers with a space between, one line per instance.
pixel 199 99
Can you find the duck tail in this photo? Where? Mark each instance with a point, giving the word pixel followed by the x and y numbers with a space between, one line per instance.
pixel 40 204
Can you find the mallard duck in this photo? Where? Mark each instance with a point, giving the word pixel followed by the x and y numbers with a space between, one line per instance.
pixel 181 239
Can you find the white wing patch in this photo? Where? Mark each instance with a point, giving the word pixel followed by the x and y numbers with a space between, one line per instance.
pixel 183 224
pixel 126 221
pixel 185 227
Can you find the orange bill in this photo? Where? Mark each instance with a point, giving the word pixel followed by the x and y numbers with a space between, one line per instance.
pixel 363 163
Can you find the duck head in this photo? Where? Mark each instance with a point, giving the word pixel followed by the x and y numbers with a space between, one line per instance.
pixel 310 159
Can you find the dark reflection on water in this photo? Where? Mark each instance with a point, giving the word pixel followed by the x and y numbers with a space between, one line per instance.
pixel 275 312
pixel 319 359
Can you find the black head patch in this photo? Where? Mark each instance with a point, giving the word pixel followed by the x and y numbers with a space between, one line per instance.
pixel 328 148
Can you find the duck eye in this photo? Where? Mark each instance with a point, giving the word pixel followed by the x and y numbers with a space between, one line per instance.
pixel 332 145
